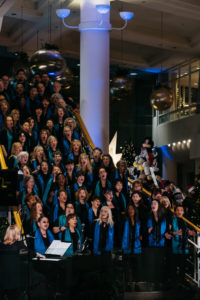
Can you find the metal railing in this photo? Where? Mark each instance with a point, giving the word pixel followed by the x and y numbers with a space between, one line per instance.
pixel 194 260
pixel 178 114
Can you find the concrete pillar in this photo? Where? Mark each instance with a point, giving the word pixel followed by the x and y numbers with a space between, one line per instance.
pixel 94 71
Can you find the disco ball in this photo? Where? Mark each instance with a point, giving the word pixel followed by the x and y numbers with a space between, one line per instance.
pixel 161 98
pixel 48 61
pixel 120 87
pixel 66 79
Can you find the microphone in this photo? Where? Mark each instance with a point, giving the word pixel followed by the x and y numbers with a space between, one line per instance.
pixel 30 236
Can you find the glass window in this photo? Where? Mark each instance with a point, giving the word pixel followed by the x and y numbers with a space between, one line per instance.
pixel 194 86
pixel 195 65
pixel 184 70
pixel 184 91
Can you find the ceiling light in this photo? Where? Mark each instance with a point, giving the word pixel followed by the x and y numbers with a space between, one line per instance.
pixel 103 8
pixel 63 13
pixel 126 15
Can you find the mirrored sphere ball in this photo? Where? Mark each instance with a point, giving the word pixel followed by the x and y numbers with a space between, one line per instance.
pixel 120 87
pixel 161 98
pixel 48 61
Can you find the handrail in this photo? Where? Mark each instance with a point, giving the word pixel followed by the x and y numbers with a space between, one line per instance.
pixel 143 189
pixel 191 224
pixel 14 208
pixel 2 160
pixel 188 222
pixel 90 142
pixel 84 130
pixel 178 110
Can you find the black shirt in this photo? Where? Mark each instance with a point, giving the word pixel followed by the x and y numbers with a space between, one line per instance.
pixel 75 238
pixel 46 242
pixel 103 236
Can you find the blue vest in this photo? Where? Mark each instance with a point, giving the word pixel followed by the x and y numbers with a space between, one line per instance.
pixel 125 240
pixel 62 223
pixel 45 189
pixel 67 238
pixel 176 239
pixel 38 242
pixel 97 188
pixel 10 140
pixel 109 242
pixel 124 177
pixel 66 146
pixel 163 227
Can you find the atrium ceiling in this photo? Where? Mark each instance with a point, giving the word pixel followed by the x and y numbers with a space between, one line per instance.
pixel 161 34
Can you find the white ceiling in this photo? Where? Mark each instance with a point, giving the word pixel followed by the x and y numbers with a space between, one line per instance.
pixel 162 33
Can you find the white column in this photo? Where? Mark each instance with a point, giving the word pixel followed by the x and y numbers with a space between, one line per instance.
pixel 94 72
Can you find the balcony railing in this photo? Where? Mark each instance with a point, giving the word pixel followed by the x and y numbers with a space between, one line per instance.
pixel 178 114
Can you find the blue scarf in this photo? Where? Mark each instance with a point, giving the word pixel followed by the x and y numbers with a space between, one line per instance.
pixel 66 146
pixel 177 245
pixel 67 238
pixel 38 241
pixel 124 177
pixel 62 223
pixel 10 139
pixel 110 238
pixel 125 240
pixel 152 242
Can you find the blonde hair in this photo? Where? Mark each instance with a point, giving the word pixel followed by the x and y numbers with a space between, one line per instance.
pixel 50 139
pixel 163 199
pixel 76 142
pixel 14 147
pixel 89 166
pixel 35 150
pixel 110 219
pixel 69 119
pixel 14 111
pixel 12 235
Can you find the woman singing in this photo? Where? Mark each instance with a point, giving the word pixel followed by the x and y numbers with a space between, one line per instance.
pixel 104 232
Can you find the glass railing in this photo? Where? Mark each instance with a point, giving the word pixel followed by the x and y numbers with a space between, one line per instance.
pixel 178 114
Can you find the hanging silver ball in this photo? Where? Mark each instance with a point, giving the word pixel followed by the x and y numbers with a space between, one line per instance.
pixel 48 61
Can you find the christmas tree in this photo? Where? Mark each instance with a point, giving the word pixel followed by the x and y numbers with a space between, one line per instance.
pixel 128 153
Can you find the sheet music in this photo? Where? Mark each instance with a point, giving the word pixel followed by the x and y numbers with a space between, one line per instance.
pixel 57 248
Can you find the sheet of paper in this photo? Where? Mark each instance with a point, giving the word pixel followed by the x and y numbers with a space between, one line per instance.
pixel 57 248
